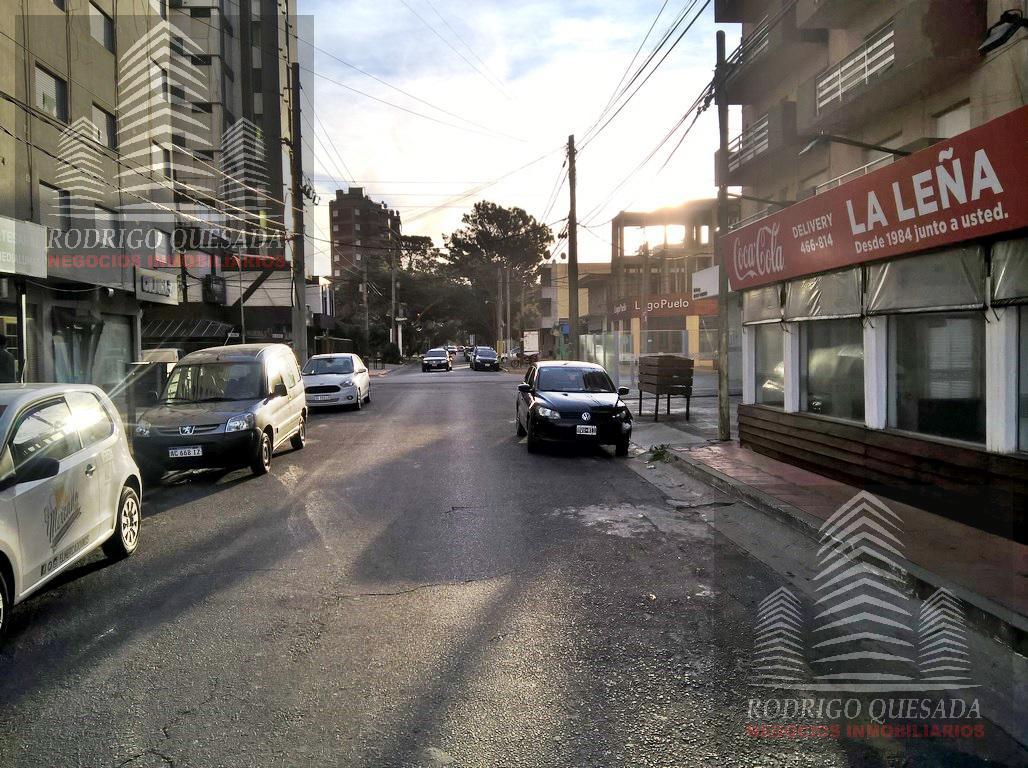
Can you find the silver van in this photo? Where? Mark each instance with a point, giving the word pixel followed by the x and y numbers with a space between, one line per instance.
pixel 223 407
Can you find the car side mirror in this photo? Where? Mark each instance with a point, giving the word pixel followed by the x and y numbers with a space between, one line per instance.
pixel 280 390
pixel 524 387
pixel 37 469
pixel 623 391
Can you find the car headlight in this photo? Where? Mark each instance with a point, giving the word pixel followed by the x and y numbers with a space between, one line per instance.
pixel 345 382
pixel 547 413
pixel 142 429
pixel 622 414
pixel 240 423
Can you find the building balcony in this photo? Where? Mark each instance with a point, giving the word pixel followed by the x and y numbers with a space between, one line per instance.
pixel 830 14
pixel 753 153
pixel 739 11
pixel 773 49
pixel 918 49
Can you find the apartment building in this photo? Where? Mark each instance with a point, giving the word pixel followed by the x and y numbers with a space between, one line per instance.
pixel 655 256
pixel 885 275
pixel 129 133
pixel 360 229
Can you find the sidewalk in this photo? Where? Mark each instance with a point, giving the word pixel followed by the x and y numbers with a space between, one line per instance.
pixel 386 369
pixel 986 571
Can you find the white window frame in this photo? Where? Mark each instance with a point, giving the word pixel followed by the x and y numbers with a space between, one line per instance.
pixel 98 16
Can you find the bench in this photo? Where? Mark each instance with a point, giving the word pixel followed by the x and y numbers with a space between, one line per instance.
pixel 665 376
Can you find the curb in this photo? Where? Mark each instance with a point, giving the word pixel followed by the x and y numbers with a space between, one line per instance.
pixel 997 621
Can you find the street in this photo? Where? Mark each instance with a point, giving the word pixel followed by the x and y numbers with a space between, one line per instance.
pixel 411 589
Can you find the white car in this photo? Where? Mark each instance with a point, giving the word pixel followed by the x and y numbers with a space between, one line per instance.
pixel 68 485
pixel 337 379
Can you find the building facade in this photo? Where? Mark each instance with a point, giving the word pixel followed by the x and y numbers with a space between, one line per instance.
pixel 885 335
pixel 656 297
pixel 143 154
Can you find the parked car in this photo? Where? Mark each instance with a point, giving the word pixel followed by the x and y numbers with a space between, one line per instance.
pixel 224 407
pixel 336 379
pixel 572 402
pixel 68 485
pixel 436 359
pixel 485 359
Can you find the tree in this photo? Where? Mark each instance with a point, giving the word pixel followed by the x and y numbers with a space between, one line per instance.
pixel 494 237
pixel 420 254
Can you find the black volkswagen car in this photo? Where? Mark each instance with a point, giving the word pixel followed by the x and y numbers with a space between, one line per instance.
pixel 485 359
pixel 572 402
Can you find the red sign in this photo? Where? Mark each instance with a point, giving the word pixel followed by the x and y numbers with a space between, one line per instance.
pixel 664 305
pixel 971 186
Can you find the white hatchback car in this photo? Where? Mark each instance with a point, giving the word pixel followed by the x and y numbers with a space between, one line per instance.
pixel 68 484
pixel 340 378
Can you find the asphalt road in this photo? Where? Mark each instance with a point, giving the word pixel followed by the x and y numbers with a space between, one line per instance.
pixel 412 589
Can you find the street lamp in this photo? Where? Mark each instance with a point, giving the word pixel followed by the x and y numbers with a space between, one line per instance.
pixel 831 138
pixel 1003 30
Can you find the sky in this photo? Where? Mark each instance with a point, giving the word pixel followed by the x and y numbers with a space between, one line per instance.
pixel 521 76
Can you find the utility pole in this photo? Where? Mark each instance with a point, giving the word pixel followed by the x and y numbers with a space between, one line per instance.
pixel 572 255
pixel 510 334
pixel 392 295
pixel 499 305
pixel 644 300
pixel 724 416
pixel 296 200
pixel 367 315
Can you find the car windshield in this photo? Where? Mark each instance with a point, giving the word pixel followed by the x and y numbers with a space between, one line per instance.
pixel 436 353
pixel 212 382
pixel 486 352
pixel 574 380
pixel 318 366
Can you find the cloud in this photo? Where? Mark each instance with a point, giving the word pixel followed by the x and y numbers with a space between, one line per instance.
pixel 558 63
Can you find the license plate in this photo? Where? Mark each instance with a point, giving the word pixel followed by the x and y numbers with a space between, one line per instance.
pixel 582 429
pixel 181 453
pixel 321 398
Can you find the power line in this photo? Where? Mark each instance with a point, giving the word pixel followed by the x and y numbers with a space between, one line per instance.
pixel 466 45
pixel 450 45
pixel 648 76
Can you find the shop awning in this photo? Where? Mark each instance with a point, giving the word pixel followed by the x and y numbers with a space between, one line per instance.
pixel 823 297
pixel 950 279
pixel 1010 271
pixel 762 305
pixel 183 330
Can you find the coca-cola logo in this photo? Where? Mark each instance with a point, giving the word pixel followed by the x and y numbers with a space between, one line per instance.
pixel 761 256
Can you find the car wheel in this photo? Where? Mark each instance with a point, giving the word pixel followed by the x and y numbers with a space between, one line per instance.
pixel 5 604
pixel 621 447
pixel 261 461
pixel 517 420
pixel 126 527
pixel 299 440
pixel 424 369
pixel 533 442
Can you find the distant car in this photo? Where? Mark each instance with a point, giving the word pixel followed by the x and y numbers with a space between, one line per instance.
pixel 435 360
pixel 469 354
pixel 485 359
pixel 572 402
pixel 451 351
pixel 68 485
pixel 224 407
pixel 337 379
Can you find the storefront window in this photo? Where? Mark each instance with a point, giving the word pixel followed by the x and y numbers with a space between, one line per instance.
pixel 832 368
pixel 769 368
pixel 937 374
pixel 1022 380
